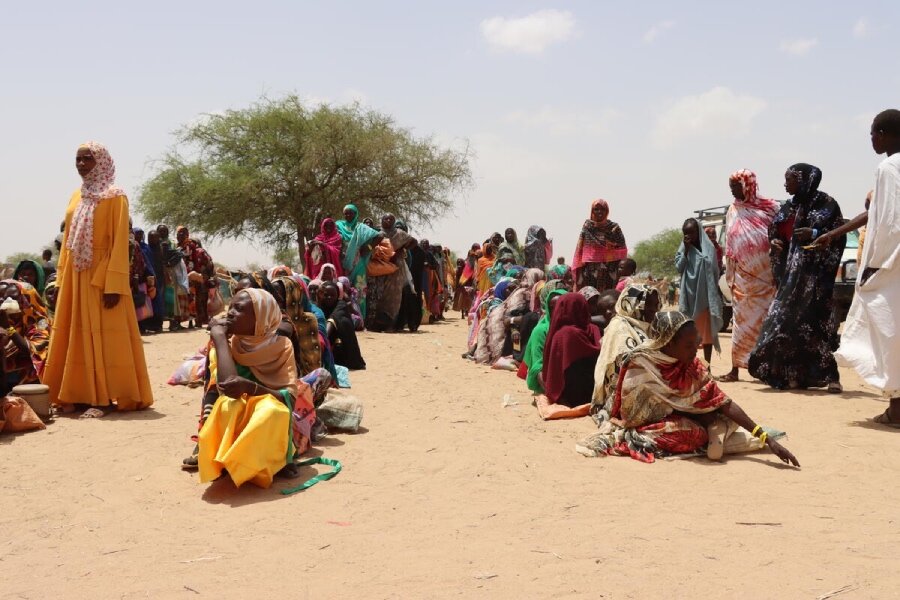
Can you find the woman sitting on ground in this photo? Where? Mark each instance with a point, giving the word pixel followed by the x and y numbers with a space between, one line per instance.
pixel 32 273
pixel 340 328
pixel 254 375
pixel 27 330
pixel 635 309
pixel 573 344
pixel 350 295
pixel 494 332
pixel 667 403
pixel 51 293
pixel 302 325
pixel 533 357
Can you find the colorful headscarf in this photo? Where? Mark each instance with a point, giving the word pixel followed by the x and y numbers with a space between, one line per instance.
pixel 664 327
pixel 345 227
pixel 39 285
pixel 96 186
pixel 599 241
pixel 559 271
pixel 749 219
pixel 332 239
pixel 571 337
pixel 588 292
pixel 269 356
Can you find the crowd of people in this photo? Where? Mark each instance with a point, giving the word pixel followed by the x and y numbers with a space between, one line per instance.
pixel 588 339
pixel 594 341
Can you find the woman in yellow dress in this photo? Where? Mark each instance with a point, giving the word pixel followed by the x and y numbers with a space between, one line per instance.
pixel 254 375
pixel 96 356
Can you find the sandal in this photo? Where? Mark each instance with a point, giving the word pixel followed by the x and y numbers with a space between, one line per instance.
pixel 727 378
pixel 885 419
pixel 835 387
pixel 92 413
pixel 191 463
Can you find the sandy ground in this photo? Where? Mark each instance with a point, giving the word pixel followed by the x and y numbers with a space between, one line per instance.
pixel 449 494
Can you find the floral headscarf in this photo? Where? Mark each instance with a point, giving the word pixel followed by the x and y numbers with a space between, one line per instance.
pixel 96 186
pixel 810 177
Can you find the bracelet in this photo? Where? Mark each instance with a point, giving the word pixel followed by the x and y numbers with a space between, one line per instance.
pixel 11 330
pixel 763 437
pixel 256 389
pixel 755 429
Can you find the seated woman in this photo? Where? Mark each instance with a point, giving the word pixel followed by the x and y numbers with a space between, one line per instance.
pixel 254 375
pixel 533 357
pixel 328 272
pixel 340 328
pixel 667 403
pixel 27 328
pixel 573 344
pixel 32 273
pixel 635 309
pixel 51 293
pixel 494 340
pixel 350 295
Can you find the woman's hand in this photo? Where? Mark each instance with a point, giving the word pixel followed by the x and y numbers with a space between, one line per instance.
pixel 236 386
pixel 824 240
pixel 781 452
pixel 110 300
pixel 217 327
pixel 803 234
pixel 777 245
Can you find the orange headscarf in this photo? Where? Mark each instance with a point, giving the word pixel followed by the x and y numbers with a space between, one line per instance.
pixel 269 356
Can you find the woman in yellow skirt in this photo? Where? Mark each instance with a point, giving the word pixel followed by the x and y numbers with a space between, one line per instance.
pixel 96 357
pixel 248 432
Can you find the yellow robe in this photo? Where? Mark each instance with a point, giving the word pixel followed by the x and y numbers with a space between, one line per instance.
pixel 96 354
pixel 249 436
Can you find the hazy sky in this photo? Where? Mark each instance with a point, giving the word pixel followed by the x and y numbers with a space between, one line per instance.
pixel 649 105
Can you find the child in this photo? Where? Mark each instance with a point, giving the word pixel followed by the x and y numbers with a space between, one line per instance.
pixel 627 269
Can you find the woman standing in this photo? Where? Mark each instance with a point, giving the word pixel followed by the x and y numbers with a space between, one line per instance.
pixel 601 246
pixel 511 246
pixel 324 249
pixel 798 336
pixel 748 268
pixel 700 300
pixel 538 249
pixel 96 356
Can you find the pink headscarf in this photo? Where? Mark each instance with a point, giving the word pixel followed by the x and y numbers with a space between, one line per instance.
pixel 749 219
pixel 96 186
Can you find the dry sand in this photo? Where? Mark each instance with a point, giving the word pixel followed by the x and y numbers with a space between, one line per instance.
pixel 449 494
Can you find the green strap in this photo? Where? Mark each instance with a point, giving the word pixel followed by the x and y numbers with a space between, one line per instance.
pixel 319 460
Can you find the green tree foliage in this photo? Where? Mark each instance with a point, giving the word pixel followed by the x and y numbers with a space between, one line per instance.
pixel 286 256
pixel 657 254
pixel 269 173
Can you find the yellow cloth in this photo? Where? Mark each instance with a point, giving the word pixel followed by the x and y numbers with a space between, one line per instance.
pixel 96 354
pixel 248 437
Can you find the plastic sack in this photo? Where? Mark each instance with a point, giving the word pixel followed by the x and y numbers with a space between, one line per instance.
pixel 190 373
pixel 341 412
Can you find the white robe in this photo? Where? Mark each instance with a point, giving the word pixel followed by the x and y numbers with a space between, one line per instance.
pixel 871 339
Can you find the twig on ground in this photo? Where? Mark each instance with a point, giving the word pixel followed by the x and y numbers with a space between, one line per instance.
pixel 760 523
pixel 841 590
pixel 484 575
pixel 201 559
pixel 548 552
pixel 190 589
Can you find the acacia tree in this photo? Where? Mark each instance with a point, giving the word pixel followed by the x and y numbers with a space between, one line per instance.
pixel 656 255
pixel 270 173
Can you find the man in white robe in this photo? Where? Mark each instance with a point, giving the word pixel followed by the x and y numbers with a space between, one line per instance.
pixel 871 339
